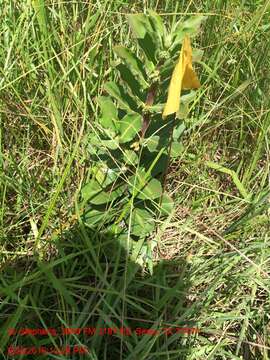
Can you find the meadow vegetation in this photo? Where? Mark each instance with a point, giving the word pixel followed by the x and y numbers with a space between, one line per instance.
pixel 206 264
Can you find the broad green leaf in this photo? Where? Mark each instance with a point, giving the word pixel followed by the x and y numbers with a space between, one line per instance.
pixel 176 149
pixel 92 149
pixel 125 242
pixel 104 197
pixel 100 198
pixel 183 111
pixel 94 217
pixel 160 165
pixel 104 175
pixel 142 222
pixel 138 181
pixel 40 9
pixel 178 130
pixel 152 143
pixel 109 113
pixel 142 256
pixel 167 68
pixel 149 47
pixel 139 25
pixel 124 100
pixel 95 194
pixel 134 63
pixel 157 108
pixel 157 25
pixel 146 35
pixel 167 205
pixel 91 189
pixel 152 190
pixel 129 127
pixel 99 173
pixel 143 188
pixel 149 260
pixel 130 157
pixel 112 144
pixel 188 98
pixel 131 81
pixel 187 27
pixel 184 107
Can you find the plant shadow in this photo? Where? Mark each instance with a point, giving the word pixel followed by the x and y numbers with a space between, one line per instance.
pixel 95 302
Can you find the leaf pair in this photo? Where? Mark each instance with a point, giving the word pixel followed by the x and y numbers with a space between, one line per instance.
pixel 121 130
pixel 183 77
pixel 149 31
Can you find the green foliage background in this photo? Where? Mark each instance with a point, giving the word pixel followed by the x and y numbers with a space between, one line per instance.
pixel 207 263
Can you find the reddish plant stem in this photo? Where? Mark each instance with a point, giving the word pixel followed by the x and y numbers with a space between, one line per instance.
pixel 149 102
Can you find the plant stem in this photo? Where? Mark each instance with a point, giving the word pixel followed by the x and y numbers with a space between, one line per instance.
pixel 149 102
pixel 165 174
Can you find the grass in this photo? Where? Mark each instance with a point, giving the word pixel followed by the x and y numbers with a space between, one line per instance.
pixel 211 262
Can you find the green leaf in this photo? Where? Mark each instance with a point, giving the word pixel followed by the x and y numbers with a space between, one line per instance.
pixel 94 217
pixel 184 104
pixel 41 13
pixel 183 111
pixel 134 63
pixel 109 113
pixel 176 149
pixel 104 197
pixel 187 27
pixel 157 25
pixel 131 81
pixel 95 194
pixel 167 205
pixel 145 33
pixel 178 130
pixel 138 181
pixel 104 175
pixel 91 147
pixel 152 190
pixel 188 98
pixel 148 46
pixel 142 222
pixel 143 188
pixel 139 25
pixel 157 22
pixel 157 108
pixel 160 165
pixel 151 70
pixel 125 242
pixel 100 198
pixel 129 127
pixel 167 68
pixel 130 157
pixel 152 143
pixel 124 100
pixel 90 190
pixel 112 144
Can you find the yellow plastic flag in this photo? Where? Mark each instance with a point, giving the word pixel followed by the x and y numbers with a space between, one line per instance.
pixel 183 77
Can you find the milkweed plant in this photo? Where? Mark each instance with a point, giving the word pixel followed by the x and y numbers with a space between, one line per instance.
pixel 132 141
